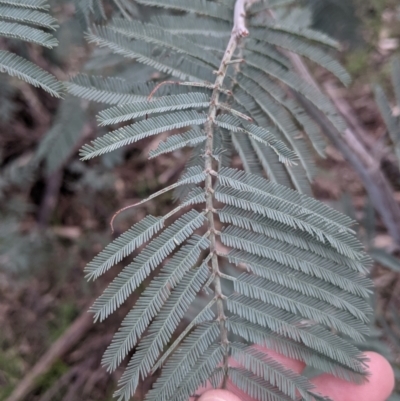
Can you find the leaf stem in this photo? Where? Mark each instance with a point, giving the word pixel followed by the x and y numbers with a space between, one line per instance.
pixel 239 30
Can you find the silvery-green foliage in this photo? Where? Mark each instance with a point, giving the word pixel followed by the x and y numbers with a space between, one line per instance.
pixel 29 21
pixel 300 285
pixel 391 115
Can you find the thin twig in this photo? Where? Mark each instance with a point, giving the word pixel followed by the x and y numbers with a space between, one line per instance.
pixel 162 191
pixel 376 183
pixel 204 84
pixel 68 340
pixel 239 30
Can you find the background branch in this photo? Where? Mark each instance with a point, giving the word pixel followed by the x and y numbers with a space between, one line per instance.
pixel 355 152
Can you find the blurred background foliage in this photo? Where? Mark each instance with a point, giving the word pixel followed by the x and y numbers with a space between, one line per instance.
pixel 55 210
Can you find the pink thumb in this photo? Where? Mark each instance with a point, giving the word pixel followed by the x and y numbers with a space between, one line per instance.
pixel 219 395
pixel 378 388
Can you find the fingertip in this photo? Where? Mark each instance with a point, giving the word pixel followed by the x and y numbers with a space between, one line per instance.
pixel 219 395
pixel 379 386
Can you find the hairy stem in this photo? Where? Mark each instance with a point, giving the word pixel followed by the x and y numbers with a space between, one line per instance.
pixel 239 30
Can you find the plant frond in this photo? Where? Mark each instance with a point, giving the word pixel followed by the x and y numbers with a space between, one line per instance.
pixel 29 16
pixel 270 162
pixel 259 134
pixel 270 370
pixel 142 129
pixel 300 17
pixel 303 283
pixel 288 325
pixel 161 330
pixel 154 253
pixel 178 141
pixel 223 141
pixel 252 202
pixel 202 371
pixel 301 32
pixel 108 90
pixel 183 360
pixel 27 34
pixel 205 316
pixel 274 229
pixel 254 184
pixel 151 302
pixel 255 386
pixel 294 82
pixel 275 170
pixel 195 196
pixel 179 66
pixel 281 118
pixel 291 208
pixel 123 246
pixel 33 4
pixel 267 51
pixel 158 36
pixel 196 159
pixel 303 48
pixel 310 127
pixel 234 112
pixel 300 180
pixel 130 111
pixel 17 66
pixel 202 7
pixel 298 282
pixel 262 5
pixel 242 144
pixel 297 259
pixel 192 25
pixel 265 337
pixel 296 303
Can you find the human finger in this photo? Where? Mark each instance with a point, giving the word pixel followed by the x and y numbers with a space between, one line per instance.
pixel 219 395
pixel 378 387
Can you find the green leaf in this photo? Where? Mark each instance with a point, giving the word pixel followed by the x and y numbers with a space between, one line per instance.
pixel 180 66
pixel 297 259
pixel 259 134
pixel 17 66
pixel 154 34
pixel 123 246
pixel 161 330
pixel 130 111
pixel 29 16
pixel 298 46
pixel 202 7
pixel 143 129
pixel 154 254
pixel 33 4
pixel 189 138
pixel 310 286
pixel 291 326
pixel 183 361
pixel 106 89
pixel 151 302
pixel 298 304
pixel 265 367
pixel 289 207
pixel 257 334
pixel 28 34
